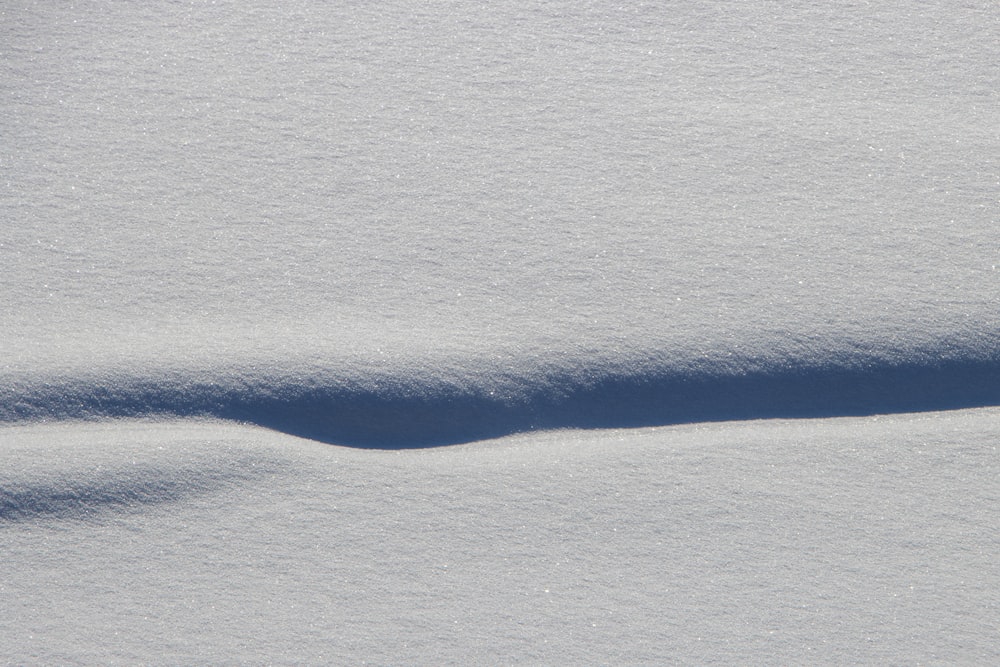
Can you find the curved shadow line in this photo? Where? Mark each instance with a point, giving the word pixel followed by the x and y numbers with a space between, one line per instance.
pixel 621 402
pixel 83 495
pixel 405 416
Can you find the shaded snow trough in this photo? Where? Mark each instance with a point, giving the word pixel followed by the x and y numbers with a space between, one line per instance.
pixel 406 409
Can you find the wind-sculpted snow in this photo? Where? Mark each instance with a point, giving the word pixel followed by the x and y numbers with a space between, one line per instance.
pixel 87 494
pixel 90 472
pixel 448 401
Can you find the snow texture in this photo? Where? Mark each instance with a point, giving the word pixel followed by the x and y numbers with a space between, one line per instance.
pixel 250 245
pixel 837 541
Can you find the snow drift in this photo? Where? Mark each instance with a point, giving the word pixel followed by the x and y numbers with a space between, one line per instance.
pixel 401 224
pixel 360 403
pixel 400 227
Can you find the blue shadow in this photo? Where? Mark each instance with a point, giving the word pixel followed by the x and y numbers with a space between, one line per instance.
pixel 408 416
pixel 399 420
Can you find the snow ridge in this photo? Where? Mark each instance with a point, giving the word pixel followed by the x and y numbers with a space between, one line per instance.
pixel 411 405
pixel 80 493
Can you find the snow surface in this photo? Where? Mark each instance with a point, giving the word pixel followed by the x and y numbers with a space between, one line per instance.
pixel 258 259
pixel 862 540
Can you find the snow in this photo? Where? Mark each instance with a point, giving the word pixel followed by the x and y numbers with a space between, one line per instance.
pixel 670 330
pixel 832 540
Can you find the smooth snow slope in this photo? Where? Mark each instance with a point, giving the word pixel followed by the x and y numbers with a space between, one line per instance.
pixel 282 212
pixel 837 541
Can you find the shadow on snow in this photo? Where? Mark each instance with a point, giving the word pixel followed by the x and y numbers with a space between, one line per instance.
pixel 408 417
